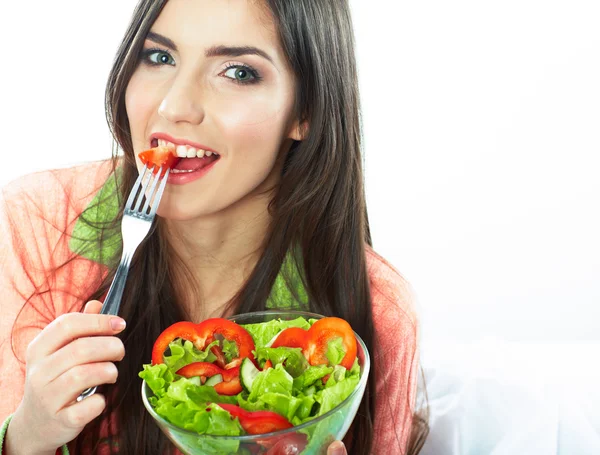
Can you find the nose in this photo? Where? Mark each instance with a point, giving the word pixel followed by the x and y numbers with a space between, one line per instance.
pixel 181 103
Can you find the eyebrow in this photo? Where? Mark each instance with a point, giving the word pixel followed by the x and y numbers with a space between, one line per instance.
pixel 214 51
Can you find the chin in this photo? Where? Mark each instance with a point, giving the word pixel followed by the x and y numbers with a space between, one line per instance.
pixel 177 210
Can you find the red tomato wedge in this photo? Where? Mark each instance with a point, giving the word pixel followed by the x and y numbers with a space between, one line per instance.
pixel 257 422
pixel 315 341
pixel 202 335
pixel 231 384
pixel 159 156
pixel 292 444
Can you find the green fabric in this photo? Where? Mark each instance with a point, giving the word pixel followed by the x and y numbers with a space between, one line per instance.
pixel 99 224
pixel 287 293
pixel 64 449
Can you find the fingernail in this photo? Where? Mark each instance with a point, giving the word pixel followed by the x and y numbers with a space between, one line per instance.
pixel 117 323
pixel 337 448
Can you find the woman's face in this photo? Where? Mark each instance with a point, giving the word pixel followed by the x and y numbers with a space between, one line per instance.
pixel 213 77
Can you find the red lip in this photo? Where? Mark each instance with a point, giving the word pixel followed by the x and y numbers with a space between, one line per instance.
pixel 175 141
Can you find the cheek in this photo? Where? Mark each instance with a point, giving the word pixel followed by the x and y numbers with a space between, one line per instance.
pixel 140 105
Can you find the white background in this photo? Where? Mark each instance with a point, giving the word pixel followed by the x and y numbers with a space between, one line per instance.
pixel 481 137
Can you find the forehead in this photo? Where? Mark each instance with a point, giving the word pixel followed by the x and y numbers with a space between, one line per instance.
pixel 198 24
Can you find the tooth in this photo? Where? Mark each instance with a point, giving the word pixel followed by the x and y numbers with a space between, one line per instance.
pixel 200 153
pixel 191 152
pixel 208 153
pixel 161 142
pixel 181 151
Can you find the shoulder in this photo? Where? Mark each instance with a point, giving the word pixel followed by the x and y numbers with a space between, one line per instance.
pixel 393 299
pixel 56 187
pixel 38 212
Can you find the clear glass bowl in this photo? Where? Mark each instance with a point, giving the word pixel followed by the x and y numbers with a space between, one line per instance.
pixel 310 438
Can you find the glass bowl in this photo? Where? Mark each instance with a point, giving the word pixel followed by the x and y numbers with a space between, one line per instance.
pixel 310 438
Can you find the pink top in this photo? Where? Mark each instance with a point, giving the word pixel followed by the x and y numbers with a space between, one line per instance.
pixel 42 206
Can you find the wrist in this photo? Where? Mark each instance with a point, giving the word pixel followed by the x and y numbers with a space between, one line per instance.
pixel 19 442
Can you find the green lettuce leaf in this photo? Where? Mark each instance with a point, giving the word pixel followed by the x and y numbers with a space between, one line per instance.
pixel 336 390
pixel 263 332
pixel 272 380
pixel 183 352
pixel 335 351
pixel 158 377
pixel 295 362
pixel 312 376
pixel 230 350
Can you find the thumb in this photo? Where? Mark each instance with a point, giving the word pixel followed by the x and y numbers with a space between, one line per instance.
pixel 337 448
pixel 92 307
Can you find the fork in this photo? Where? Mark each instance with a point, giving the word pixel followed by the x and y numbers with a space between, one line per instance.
pixel 135 225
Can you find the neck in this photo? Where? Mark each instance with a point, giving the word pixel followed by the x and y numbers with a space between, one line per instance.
pixel 221 252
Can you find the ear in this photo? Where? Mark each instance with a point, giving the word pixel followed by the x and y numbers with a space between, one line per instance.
pixel 298 130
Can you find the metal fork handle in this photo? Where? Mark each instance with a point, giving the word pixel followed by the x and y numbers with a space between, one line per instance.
pixel 113 301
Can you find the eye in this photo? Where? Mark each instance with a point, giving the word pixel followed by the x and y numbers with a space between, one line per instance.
pixel 157 57
pixel 242 74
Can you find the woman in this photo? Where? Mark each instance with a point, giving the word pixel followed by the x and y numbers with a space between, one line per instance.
pixel 268 213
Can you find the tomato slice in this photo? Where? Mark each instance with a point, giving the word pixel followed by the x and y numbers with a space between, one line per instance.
pixel 325 330
pixel 292 337
pixel 292 444
pixel 257 422
pixel 184 329
pixel 231 384
pixel 268 364
pixel 159 156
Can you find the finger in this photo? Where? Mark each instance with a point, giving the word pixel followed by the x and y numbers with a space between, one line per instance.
pixel 68 386
pixel 92 307
pixel 337 448
pixel 81 413
pixel 82 351
pixel 69 327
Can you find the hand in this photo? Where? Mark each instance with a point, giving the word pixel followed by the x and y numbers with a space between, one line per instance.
pixel 72 353
pixel 337 448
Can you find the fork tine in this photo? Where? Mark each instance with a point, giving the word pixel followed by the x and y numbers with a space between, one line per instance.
pixel 143 194
pixel 135 189
pixel 159 193
pixel 151 194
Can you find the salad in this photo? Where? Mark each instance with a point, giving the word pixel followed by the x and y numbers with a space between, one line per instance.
pixel 224 379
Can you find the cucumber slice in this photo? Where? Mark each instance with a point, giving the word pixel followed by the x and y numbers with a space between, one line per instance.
pixel 248 372
pixel 214 380
pixel 195 380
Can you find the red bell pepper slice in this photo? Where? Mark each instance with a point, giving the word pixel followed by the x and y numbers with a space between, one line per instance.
pixel 322 332
pixel 315 341
pixel 231 331
pixel 185 330
pixel 257 422
pixel 231 384
pixel 292 337
pixel 159 156
pixel 202 335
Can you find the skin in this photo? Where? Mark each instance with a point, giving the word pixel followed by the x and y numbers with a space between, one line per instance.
pixel 217 223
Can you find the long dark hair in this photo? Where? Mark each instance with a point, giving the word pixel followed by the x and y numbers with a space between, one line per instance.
pixel 318 209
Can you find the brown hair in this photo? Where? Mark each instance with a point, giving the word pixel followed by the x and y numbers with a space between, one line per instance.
pixel 319 207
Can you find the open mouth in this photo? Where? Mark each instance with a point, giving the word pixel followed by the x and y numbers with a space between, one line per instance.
pixel 190 159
